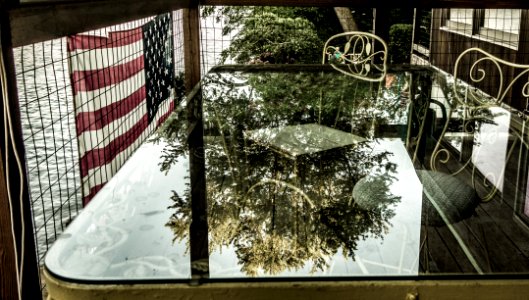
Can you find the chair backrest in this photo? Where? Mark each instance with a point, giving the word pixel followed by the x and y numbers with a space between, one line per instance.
pixel 480 61
pixel 355 54
pixel 479 120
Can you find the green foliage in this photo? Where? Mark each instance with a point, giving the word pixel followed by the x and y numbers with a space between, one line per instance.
pixel 400 36
pixel 296 34
pixel 275 39
pixel 279 214
pixel 275 34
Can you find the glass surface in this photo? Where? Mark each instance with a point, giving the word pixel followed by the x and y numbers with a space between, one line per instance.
pixel 283 154
pixel 305 173
pixel 123 233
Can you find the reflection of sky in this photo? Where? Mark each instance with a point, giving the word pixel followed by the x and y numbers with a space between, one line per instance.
pixel 490 147
pixel 121 234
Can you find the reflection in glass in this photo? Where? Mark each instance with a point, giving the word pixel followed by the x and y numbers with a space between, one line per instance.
pixel 282 160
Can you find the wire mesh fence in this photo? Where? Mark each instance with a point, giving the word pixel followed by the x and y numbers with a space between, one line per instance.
pixel 49 136
pixel 51 129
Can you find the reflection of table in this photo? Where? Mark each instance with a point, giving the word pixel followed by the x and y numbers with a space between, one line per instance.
pixel 302 139
pixel 122 235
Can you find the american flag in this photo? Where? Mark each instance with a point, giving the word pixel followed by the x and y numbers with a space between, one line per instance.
pixel 123 89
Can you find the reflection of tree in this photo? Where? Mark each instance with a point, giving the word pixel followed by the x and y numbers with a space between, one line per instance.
pixel 327 98
pixel 280 213
pixel 275 34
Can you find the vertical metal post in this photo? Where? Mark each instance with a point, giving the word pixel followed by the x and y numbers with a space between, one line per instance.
pixel 477 17
pixel 18 261
pixel 416 25
pixel 198 236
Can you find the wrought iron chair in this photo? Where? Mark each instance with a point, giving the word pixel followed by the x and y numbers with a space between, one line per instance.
pixel 363 56
pixel 448 199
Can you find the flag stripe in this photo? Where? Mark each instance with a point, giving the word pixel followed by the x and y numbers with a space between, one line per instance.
pixel 91 158
pixel 115 39
pixel 101 175
pixel 167 113
pixel 105 115
pixel 118 144
pixel 100 138
pixel 94 80
pixel 93 191
pixel 97 59
pixel 117 108
pixel 98 176
pixel 90 101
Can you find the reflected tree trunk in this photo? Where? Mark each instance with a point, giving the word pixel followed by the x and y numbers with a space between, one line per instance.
pixel 346 19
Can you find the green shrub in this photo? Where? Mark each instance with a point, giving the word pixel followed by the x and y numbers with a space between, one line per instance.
pixel 400 37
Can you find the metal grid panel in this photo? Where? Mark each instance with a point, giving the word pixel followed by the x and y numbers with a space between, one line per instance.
pixel 49 130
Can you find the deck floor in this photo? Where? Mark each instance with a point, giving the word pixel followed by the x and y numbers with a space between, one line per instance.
pixel 491 241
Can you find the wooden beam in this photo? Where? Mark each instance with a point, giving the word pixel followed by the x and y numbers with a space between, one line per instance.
pixel 40 22
pixel 19 258
pixel 379 3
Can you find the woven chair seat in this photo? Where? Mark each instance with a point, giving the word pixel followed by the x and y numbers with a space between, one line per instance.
pixel 369 192
pixel 456 199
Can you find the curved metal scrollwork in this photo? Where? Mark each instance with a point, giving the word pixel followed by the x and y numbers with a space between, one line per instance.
pixel 477 73
pixel 358 57
pixel 470 108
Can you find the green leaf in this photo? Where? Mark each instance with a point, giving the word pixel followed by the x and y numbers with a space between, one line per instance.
pixel 347 47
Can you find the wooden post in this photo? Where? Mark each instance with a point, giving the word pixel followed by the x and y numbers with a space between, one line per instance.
pixel 477 16
pixel 8 280
pixel 198 230
pixel 191 20
pixel 515 97
pixel 18 261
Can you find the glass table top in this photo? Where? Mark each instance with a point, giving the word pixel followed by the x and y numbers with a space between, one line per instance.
pixel 137 228
pixel 268 174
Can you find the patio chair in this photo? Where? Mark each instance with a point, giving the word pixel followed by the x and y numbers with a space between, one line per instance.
pixel 469 110
pixel 361 55
pixel 453 183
